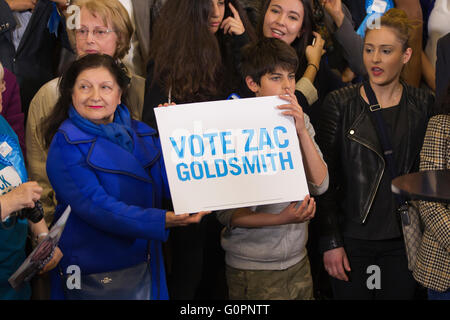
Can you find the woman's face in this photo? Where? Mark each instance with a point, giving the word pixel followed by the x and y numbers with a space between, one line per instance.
pixel 284 20
pixel 383 55
pixel 104 41
pixel 217 14
pixel 96 95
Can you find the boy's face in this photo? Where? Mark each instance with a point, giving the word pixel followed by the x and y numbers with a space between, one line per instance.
pixel 273 84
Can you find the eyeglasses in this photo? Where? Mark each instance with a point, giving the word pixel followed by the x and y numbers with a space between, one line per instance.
pixel 98 33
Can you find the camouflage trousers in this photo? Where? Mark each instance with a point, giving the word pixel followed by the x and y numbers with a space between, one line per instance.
pixel 294 283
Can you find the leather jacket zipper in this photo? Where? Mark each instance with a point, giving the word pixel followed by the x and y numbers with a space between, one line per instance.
pixel 379 179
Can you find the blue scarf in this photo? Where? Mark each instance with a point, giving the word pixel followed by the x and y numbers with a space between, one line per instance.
pixel 54 20
pixel 118 132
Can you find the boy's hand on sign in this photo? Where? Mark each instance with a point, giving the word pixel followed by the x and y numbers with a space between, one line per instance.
pixel 293 109
pixel 304 212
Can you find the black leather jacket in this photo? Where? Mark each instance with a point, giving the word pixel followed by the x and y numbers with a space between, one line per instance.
pixel 350 146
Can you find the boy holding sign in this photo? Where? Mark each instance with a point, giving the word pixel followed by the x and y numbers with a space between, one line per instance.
pixel 265 245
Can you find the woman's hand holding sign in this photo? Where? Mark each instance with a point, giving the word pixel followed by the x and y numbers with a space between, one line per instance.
pixel 182 220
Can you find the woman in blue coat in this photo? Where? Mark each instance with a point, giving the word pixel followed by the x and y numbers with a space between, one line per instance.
pixel 110 170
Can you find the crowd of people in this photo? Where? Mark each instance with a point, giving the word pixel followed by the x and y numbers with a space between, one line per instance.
pixel 80 80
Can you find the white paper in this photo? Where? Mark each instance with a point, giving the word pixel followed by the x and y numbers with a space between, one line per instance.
pixel 220 135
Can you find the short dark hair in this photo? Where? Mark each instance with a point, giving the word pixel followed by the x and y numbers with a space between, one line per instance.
pixel 265 55
pixel 67 82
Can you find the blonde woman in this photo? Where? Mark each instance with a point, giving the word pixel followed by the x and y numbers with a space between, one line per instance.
pixel 358 220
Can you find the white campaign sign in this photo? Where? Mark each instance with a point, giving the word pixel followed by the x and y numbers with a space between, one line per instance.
pixel 230 154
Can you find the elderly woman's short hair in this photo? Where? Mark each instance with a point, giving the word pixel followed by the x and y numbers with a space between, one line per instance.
pixel 114 13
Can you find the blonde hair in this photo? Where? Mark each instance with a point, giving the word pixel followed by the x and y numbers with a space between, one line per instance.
pixel 398 21
pixel 110 11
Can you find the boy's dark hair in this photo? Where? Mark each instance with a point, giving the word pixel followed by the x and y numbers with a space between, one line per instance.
pixel 265 55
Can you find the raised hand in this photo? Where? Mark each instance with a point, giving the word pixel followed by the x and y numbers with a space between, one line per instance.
pixel 315 51
pixel 334 9
pixel 233 24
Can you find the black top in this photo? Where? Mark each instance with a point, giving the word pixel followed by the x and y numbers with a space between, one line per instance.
pixel 382 221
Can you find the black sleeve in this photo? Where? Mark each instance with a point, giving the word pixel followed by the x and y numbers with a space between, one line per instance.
pixel 326 80
pixel 233 62
pixel 154 95
pixel 327 137
pixel 63 36
pixel 302 101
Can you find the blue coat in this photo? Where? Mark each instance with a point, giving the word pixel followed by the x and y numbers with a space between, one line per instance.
pixel 115 198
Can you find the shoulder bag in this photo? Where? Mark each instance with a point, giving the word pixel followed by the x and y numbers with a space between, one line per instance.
pixel 132 283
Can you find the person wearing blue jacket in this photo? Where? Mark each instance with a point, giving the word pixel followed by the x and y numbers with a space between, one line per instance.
pixel 110 170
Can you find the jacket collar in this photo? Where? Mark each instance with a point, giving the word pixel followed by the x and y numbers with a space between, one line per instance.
pixel 106 156
pixel 364 131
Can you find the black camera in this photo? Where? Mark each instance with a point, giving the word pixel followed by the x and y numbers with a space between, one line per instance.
pixel 33 214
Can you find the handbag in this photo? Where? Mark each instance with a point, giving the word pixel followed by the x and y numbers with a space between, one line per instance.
pixel 409 214
pixel 412 234
pixel 132 283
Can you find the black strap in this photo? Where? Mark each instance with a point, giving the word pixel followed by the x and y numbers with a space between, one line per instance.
pixel 383 136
